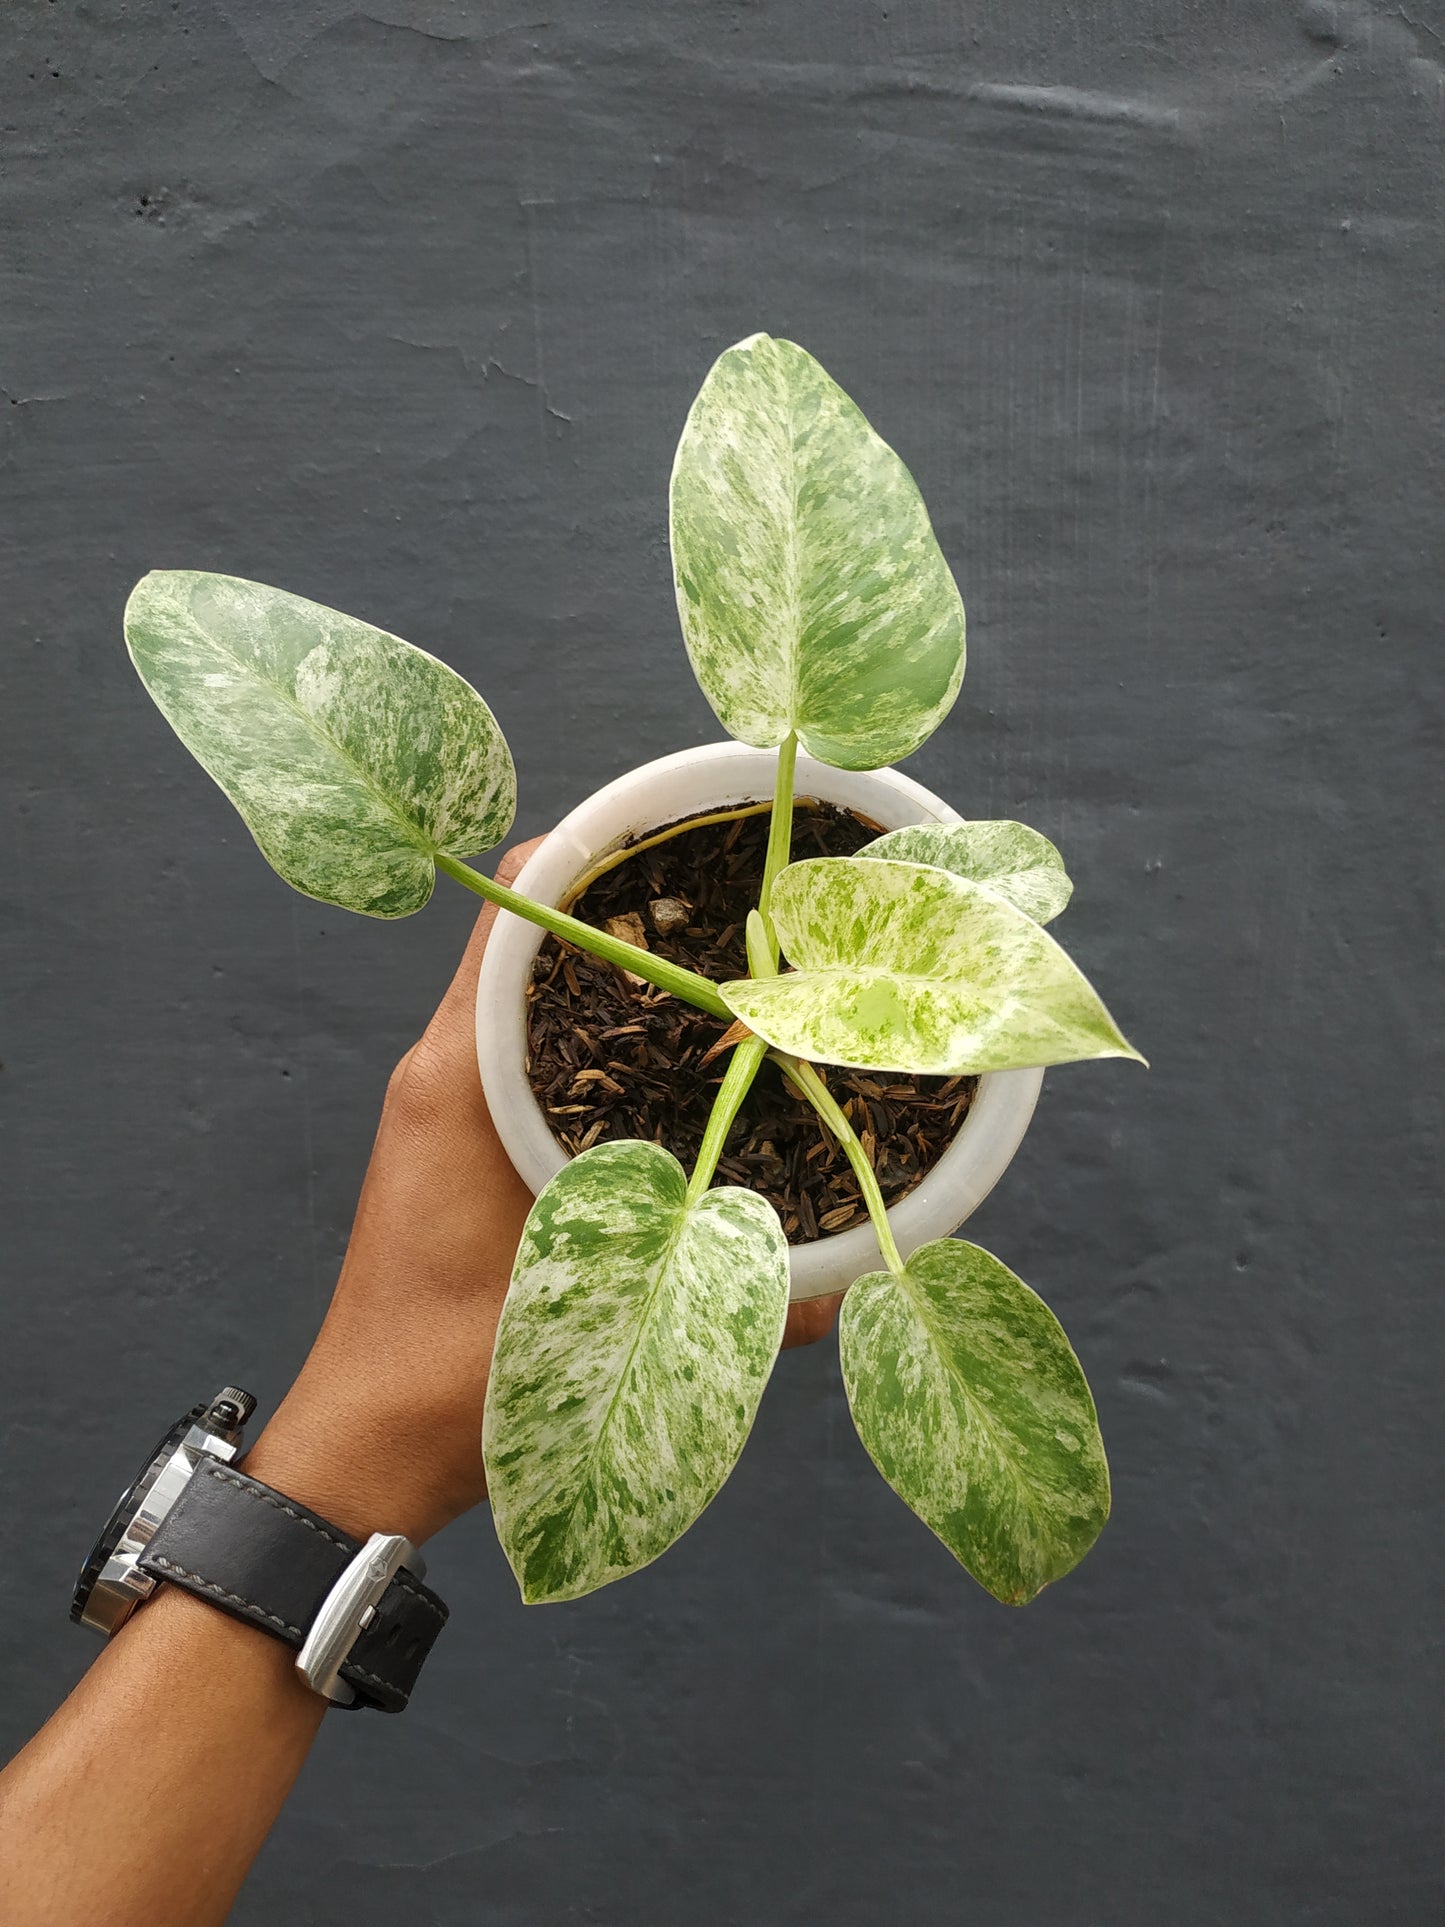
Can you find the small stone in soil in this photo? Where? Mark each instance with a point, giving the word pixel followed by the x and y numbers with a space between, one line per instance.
pixel 669 914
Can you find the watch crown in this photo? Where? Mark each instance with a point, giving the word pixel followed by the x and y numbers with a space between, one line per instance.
pixel 231 1408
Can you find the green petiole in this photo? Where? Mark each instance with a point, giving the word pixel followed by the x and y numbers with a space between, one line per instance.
pixel 642 963
pixel 807 1081
pixel 780 839
pixel 742 1069
pixel 762 962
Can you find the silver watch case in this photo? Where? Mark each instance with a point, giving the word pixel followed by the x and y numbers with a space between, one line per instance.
pixel 110 1586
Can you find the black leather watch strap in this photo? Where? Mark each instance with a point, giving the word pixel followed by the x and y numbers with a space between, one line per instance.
pixel 262 1558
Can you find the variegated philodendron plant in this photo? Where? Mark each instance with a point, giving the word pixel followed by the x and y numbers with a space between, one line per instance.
pixel 647 1304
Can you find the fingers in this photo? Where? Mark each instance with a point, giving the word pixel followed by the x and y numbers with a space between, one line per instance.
pixel 810 1320
pixel 462 991
pixel 515 860
pixel 447 1043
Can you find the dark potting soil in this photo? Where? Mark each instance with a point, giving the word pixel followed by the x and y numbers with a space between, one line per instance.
pixel 612 1058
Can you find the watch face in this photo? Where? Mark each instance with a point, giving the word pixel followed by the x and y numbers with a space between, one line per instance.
pixel 125 1510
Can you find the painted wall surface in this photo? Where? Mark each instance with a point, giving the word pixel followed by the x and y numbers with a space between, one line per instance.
pixel 401 305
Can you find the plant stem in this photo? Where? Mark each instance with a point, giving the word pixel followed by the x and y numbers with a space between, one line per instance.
pixel 642 963
pixel 742 1069
pixel 761 962
pixel 780 835
pixel 808 1082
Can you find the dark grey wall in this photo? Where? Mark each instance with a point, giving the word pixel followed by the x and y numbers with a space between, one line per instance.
pixel 402 308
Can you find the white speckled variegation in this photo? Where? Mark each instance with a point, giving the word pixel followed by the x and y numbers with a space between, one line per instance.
pixel 352 756
pixel 904 967
pixel 812 591
pixel 634 1345
pixel 1012 860
pixel 973 1406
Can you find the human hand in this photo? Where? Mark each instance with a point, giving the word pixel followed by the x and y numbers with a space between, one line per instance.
pixel 382 1429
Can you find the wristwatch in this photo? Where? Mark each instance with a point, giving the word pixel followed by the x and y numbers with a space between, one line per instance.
pixel 361 1621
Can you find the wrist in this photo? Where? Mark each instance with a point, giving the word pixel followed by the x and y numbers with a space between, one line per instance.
pixel 363 1469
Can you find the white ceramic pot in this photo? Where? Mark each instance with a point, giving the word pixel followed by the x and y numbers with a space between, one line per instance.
pixel 690 784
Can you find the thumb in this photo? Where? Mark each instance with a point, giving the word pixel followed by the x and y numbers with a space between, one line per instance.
pixel 461 993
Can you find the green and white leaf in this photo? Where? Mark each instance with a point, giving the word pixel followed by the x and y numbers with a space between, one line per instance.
pixel 812 590
pixel 904 967
pixel 353 757
pixel 634 1345
pixel 972 1405
pixel 1012 860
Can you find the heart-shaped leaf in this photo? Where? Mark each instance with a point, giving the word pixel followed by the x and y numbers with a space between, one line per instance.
pixel 973 1406
pixel 813 594
pixel 634 1345
pixel 1012 860
pixel 353 757
pixel 904 967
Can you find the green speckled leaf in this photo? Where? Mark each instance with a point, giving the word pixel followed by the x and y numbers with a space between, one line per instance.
pixel 974 1408
pixel 905 967
pixel 812 591
pixel 352 756
pixel 637 1337
pixel 1012 860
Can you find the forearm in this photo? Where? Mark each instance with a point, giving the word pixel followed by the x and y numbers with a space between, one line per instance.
pixel 149 1793
pixel 147 1796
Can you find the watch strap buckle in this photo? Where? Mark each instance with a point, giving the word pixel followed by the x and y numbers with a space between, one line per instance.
pixel 349 1608
pixel 358 1614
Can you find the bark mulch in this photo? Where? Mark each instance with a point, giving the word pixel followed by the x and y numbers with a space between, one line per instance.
pixel 609 1057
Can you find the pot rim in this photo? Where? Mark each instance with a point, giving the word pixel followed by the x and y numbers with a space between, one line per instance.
pixel 688 783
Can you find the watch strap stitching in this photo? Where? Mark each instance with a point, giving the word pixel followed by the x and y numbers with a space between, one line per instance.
pixel 349 1669
pixel 352 1671
pixel 208 1585
pixel 408 1583
pixel 268 1498
pixel 194 1523
pixel 411 1586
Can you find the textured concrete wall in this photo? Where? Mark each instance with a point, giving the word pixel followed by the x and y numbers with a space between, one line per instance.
pixel 401 306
